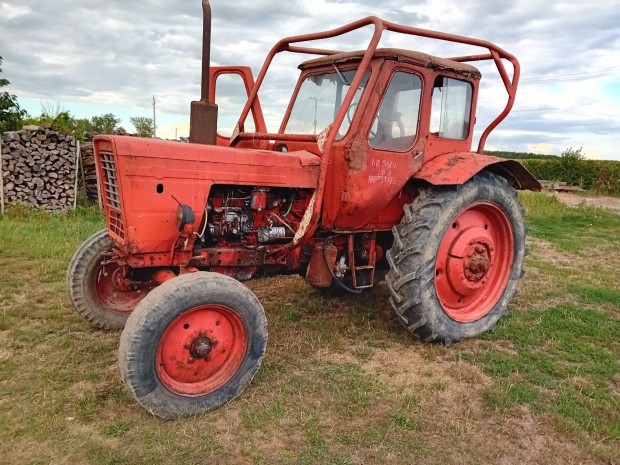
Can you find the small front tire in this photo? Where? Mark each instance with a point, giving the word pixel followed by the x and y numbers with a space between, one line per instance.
pixel 93 288
pixel 192 345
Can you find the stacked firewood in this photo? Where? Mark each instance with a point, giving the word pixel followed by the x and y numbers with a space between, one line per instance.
pixel 39 168
pixel 89 172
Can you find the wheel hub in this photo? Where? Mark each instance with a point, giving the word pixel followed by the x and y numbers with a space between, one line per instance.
pixel 477 263
pixel 469 260
pixel 111 290
pixel 201 347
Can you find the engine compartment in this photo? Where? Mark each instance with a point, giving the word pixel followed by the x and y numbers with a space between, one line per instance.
pixel 252 216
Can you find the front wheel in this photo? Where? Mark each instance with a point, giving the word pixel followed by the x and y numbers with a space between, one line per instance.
pixel 95 287
pixel 457 256
pixel 192 345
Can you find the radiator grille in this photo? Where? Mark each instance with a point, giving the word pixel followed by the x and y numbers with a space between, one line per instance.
pixel 111 196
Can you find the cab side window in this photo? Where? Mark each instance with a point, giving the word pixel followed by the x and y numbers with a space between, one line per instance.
pixel 451 108
pixel 396 123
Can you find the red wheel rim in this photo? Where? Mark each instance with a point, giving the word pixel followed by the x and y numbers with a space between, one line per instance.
pixel 111 292
pixel 474 260
pixel 201 350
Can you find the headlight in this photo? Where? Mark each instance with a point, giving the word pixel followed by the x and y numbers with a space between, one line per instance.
pixel 184 216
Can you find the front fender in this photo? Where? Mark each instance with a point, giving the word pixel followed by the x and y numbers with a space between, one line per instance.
pixel 457 168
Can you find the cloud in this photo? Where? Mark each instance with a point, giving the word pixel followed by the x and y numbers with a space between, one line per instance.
pixel 118 53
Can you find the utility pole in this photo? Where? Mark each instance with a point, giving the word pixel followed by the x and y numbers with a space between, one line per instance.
pixel 316 103
pixel 154 120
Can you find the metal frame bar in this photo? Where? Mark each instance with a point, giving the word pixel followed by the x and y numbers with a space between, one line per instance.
pixel 496 54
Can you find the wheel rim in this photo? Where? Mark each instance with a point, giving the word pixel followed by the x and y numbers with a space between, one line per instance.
pixel 201 350
pixel 110 291
pixel 474 261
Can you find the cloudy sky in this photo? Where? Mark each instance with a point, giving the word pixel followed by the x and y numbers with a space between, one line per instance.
pixel 94 56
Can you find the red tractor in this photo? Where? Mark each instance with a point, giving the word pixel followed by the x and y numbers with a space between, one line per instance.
pixel 369 177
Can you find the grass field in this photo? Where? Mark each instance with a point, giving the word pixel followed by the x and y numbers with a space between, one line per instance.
pixel 342 383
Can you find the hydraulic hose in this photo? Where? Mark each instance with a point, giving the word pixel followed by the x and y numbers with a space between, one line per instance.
pixel 331 272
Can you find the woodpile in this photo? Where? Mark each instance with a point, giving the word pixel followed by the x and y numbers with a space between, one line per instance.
pixel 39 169
pixel 89 172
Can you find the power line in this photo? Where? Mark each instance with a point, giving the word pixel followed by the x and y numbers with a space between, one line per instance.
pixel 565 78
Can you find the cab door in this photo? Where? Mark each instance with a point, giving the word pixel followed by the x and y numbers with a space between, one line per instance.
pixel 229 88
pixel 389 151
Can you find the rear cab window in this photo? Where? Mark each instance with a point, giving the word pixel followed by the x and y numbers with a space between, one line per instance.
pixel 451 108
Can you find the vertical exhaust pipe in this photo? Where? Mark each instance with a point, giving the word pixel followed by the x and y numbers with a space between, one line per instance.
pixel 203 114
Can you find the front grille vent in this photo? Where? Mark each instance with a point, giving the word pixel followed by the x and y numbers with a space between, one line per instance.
pixel 111 195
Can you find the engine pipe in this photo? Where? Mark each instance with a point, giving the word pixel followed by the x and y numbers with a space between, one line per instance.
pixel 203 114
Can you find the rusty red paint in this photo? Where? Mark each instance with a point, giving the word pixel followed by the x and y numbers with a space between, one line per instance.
pixel 456 168
pixel 161 276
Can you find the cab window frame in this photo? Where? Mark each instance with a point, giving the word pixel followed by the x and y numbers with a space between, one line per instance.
pixel 386 142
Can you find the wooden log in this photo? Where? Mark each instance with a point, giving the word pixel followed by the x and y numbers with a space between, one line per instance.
pixel 1 181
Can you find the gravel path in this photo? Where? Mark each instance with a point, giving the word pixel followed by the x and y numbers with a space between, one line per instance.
pixel 610 203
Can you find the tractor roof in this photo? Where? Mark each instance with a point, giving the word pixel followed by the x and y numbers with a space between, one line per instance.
pixel 418 58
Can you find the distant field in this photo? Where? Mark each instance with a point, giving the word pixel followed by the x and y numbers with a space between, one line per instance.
pixel 342 382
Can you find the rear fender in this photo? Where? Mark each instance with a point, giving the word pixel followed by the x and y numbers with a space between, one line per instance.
pixel 457 168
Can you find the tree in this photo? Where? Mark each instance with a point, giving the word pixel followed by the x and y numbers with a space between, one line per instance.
pixel 11 114
pixel 104 124
pixel 60 120
pixel 56 117
pixel 143 125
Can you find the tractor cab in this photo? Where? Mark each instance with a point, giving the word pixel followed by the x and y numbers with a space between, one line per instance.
pixel 408 107
pixel 413 93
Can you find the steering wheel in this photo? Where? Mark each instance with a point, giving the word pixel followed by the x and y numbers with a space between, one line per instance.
pixel 399 123
pixel 351 111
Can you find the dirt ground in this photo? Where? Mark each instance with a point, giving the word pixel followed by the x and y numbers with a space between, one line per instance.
pixel 610 203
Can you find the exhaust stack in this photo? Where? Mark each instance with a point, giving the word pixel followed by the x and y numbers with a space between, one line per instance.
pixel 203 115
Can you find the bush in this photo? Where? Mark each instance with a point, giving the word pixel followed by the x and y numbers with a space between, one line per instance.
pixel 601 176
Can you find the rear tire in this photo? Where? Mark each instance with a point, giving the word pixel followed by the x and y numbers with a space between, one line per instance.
pixel 91 285
pixel 457 257
pixel 192 345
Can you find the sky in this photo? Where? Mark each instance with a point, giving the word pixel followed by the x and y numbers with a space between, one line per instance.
pixel 93 57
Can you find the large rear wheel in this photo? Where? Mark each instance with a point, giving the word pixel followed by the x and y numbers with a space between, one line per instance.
pixel 193 344
pixel 457 256
pixel 96 288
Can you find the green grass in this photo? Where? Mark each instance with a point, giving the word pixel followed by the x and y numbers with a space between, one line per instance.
pixel 565 362
pixel 342 383
pixel 568 227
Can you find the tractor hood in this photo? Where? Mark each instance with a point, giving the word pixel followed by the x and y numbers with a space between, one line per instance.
pixel 143 181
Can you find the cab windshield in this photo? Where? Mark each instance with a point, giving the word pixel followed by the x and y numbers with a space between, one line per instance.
pixel 319 99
